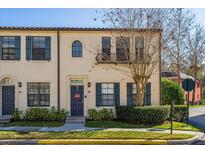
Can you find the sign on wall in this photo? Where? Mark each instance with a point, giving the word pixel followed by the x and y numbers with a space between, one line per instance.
pixel 76 82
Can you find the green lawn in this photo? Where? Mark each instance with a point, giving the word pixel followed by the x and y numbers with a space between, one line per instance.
pixel 116 124
pixel 91 135
pixel 34 124
pixel 177 126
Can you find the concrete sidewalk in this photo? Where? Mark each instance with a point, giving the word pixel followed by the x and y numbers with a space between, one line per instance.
pixel 65 127
pixel 198 136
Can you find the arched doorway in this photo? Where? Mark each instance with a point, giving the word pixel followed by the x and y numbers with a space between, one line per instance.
pixel 7 95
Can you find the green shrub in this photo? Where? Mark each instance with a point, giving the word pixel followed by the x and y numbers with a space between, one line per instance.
pixel 143 115
pixel 171 91
pixel 180 113
pixel 103 114
pixel 44 114
pixel 16 115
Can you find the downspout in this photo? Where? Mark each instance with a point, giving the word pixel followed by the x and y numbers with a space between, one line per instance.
pixel 58 68
pixel 160 81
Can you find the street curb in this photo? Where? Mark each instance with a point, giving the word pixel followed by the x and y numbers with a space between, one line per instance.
pixel 98 141
pixel 102 142
pixel 19 142
pixel 186 141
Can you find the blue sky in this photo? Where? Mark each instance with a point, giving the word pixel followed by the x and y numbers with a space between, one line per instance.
pixel 61 17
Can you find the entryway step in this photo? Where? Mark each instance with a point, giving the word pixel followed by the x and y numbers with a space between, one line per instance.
pixel 4 119
pixel 75 119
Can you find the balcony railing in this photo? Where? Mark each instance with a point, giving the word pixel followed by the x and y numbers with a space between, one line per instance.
pixel 122 58
pixel 111 58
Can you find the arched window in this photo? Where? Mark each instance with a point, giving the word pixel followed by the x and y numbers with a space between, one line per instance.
pixel 77 49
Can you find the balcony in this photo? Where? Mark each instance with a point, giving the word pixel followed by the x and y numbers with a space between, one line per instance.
pixel 111 58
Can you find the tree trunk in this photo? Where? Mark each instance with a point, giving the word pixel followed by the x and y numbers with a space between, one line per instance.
pixel 140 96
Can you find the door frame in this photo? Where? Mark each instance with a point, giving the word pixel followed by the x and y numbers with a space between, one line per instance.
pixel 84 78
pixel 2 98
pixel 71 99
pixel 9 80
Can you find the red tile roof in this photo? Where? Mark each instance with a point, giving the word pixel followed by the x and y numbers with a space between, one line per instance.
pixel 71 28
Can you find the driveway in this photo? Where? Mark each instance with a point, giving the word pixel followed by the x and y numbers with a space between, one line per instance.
pixel 197 117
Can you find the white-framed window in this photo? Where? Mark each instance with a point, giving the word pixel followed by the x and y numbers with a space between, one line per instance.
pixel 38 94
pixel 108 95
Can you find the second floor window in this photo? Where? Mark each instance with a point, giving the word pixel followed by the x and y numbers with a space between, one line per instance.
pixel 38 48
pixel 77 49
pixel 122 49
pixel 139 48
pixel 10 47
pixel 106 45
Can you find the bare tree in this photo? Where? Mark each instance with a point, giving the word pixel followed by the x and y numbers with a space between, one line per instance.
pixel 174 43
pixel 138 43
pixel 196 52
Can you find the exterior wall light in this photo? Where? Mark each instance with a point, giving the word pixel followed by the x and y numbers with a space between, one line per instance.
pixel 20 84
pixel 89 84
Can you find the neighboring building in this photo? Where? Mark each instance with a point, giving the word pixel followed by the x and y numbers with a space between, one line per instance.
pixel 198 86
pixel 64 67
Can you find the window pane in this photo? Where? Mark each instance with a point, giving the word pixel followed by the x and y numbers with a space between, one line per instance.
pixel 110 91
pixel 77 49
pixel 104 91
pixel 107 94
pixel 38 48
pixel 110 85
pixel 38 94
pixel 104 85
pixel 8 48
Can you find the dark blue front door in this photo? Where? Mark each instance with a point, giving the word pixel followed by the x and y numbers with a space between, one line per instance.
pixel 8 99
pixel 77 100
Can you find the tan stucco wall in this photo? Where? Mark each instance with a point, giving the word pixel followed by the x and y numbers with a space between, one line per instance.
pixel 80 68
pixel 30 71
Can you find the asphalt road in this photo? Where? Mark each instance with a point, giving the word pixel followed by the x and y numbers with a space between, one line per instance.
pixel 197 118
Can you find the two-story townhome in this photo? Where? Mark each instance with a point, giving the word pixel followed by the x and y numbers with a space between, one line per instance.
pixel 65 68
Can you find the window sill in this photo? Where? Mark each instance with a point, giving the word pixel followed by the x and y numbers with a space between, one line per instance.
pixel 80 58
pixel 106 106
pixel 38 61
pixel 9 61
pixel 38 106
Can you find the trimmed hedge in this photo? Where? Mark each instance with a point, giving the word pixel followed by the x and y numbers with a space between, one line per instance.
pixel 44 114
pixel 143 115
pixel 103 114
pixel 180 113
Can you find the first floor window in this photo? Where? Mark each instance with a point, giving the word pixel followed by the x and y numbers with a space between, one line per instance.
pixel 107 94
pixel 38 94
pixel 132 93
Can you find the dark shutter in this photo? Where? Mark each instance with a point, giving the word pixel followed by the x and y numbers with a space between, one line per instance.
pixel 48 48
pixel 148 94
pixel 1 43
pixel 28 47
pixel 17 47
pixel 129 94
pixel 117 94
pixel 98 94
